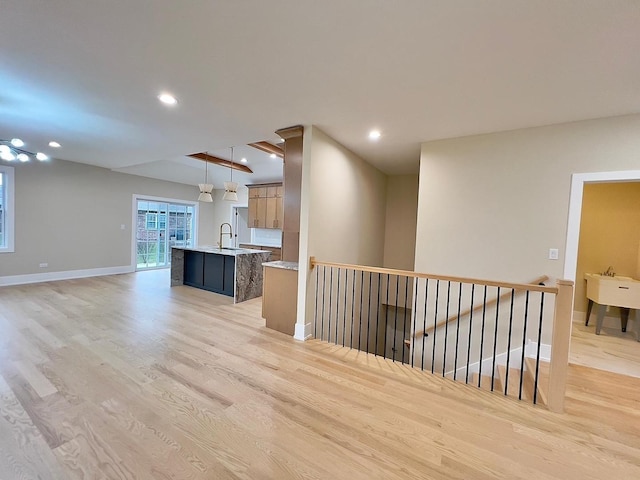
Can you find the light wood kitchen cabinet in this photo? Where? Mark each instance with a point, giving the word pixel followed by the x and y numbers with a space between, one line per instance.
pixel 274 191
pixel 257 192
pixel 257 212
pixel 279 212
pixel 265 206
pixel 274 212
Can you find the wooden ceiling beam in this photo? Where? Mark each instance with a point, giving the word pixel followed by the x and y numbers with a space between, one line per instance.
pixel 269 148
pixel 220 161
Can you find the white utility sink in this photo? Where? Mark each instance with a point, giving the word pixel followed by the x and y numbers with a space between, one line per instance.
pixel 615 291
pixel 623 292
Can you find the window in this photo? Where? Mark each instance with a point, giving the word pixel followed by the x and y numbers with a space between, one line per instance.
pixel 152 221
pixel 6 209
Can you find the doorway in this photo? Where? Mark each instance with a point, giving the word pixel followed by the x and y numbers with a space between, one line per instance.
pixel 602 232
pixel 160 225
pixel 242 233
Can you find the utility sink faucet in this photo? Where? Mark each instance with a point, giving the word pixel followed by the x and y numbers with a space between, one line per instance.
pixel 222 233
pixel 609 272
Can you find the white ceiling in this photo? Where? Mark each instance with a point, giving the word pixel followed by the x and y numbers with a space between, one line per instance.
pixel 87 74
pixel 191 171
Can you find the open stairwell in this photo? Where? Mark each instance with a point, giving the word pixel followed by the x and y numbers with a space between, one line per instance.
pixel 491 335
pixel 474 383
pixel 509 382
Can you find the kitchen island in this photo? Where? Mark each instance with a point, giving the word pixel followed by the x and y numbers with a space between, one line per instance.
pixel 235 272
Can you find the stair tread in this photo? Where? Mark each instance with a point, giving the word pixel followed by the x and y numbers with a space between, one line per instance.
pixel 543 378
pixel 485 382
pixel 513 389
pixel 423 379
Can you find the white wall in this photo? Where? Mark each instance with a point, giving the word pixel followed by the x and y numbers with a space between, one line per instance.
pixel 346 203
pixel 222 211
pixel 490 206
pixel 69 215
pixel 400 225
pixel 342 217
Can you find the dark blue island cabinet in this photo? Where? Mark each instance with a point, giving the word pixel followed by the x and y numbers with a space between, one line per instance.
pixel 210 271
pixel 235 272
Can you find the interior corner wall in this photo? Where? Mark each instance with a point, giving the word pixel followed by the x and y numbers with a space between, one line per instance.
pixel 347 204
pixel 491 206
pixel 609 232
pixel 400 225
pixel 342 213
pixel 69 215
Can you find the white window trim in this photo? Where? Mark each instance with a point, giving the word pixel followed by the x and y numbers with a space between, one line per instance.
pixel 9 188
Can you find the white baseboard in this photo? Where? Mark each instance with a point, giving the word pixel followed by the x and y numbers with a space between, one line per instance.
pixel 530 351
pixel 65 275
pixel 303 331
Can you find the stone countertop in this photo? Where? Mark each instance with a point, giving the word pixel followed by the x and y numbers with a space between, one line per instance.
pixel 282 264
pixel 261 245
pixel 231 252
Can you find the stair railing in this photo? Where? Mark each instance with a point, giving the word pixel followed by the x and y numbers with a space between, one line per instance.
pixel 494 335
pixel 479 306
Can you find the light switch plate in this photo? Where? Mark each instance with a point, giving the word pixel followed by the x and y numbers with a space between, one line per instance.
pixel 553 254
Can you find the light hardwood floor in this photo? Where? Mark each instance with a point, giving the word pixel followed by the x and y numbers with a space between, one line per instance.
pixel 612 350
pixel 122 377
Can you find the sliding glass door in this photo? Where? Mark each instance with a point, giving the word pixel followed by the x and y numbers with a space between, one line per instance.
pixel 159 226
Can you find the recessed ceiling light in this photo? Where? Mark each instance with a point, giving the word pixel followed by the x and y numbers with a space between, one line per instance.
pixel 54 144
pixel 243 160
pixel 273 155
pixel 167 99
pixel 41 156
pixel 16 142
pixel 374 134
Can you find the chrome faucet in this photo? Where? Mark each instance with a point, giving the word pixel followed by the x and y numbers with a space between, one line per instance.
pixel 222 233
pixel 609 272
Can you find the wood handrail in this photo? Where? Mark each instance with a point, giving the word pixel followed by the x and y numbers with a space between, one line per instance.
pixel 407 273
pixel 480 306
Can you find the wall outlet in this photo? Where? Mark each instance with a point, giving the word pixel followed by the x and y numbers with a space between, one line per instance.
pixel 553 254
pixel 122 226
pixel 44 265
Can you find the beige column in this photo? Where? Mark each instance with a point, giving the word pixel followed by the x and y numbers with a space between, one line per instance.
pixel 292 181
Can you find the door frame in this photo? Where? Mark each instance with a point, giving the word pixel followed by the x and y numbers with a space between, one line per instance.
pixel 234 213
pixel 151 198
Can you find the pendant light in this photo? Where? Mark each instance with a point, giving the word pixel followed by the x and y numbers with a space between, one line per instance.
pixel 231 187
pixel 205 188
